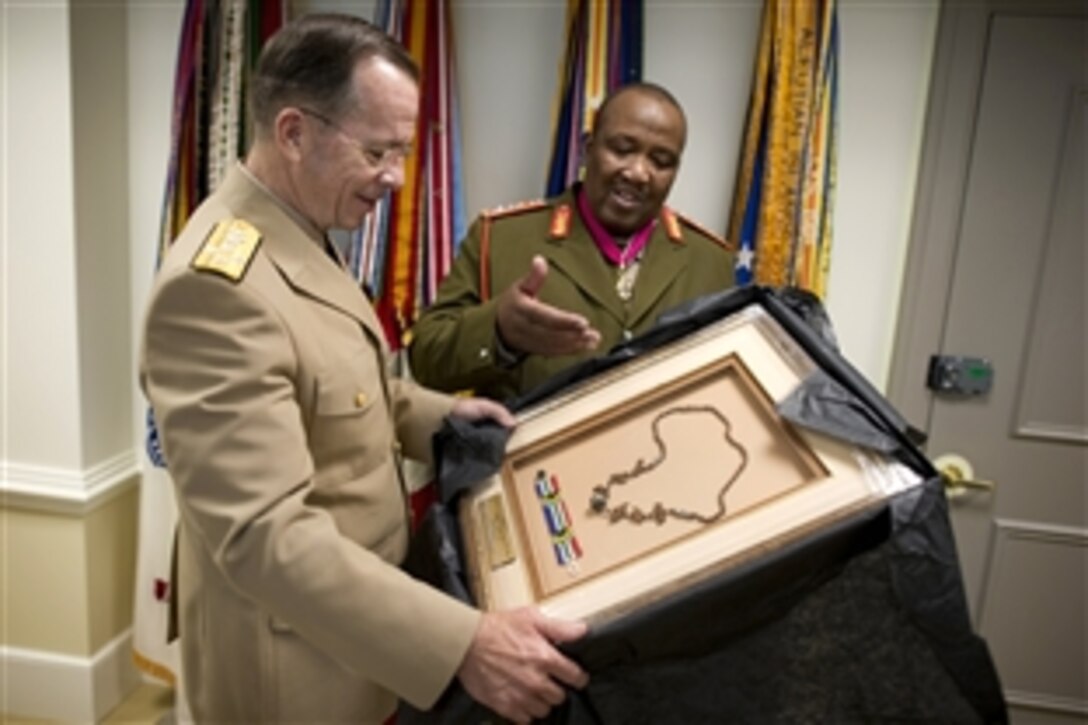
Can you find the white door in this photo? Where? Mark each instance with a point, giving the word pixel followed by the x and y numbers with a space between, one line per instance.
pixel 997 270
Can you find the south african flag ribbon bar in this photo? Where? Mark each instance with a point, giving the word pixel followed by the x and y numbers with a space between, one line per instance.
pixel 557 518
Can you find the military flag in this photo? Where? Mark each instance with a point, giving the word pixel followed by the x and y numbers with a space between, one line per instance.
pixel 406 247
pixel 784 195
pixel 217 49
pixel 603 52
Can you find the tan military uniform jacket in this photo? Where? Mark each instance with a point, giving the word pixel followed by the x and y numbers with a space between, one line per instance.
pixel 454 344
pixel 281 429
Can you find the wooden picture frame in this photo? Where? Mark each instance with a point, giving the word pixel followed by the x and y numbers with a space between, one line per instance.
pixel 663 471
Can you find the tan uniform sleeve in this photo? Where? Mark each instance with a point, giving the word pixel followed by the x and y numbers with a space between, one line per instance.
pixel 417 414
pixel 233 435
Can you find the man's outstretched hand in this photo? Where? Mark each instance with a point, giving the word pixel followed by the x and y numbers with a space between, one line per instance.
pixel 528 325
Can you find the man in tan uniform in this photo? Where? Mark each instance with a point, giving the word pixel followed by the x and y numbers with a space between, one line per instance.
pixel 266 370
pixel 540 286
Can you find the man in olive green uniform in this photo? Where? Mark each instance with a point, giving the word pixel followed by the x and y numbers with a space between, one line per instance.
pixel 540 286
pixel 266 370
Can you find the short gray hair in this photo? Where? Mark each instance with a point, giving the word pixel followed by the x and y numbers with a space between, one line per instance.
pixel 310 62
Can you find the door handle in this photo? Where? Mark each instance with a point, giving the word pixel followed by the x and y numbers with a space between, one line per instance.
pixel 958 476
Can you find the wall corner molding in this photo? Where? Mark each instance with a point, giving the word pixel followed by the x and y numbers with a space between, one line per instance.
pixel 64 490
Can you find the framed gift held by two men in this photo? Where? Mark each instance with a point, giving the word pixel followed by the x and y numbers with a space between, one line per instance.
pixel 668 469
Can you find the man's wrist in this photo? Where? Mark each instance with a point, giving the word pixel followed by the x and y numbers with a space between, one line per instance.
pixel 505 355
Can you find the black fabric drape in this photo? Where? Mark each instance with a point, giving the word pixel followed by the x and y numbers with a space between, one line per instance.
pixel 865 621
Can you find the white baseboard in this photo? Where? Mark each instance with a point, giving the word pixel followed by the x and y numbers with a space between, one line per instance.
pixel 47 685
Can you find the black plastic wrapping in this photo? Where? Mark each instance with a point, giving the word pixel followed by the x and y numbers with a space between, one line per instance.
pixel 466 453
pixel 865 621
pixel 821 404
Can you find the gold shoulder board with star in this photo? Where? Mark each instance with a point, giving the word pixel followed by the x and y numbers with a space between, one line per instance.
pixel 228 249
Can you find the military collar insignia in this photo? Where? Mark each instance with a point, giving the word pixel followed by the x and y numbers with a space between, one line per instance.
pixel 672 225
pixel 559 227
pixel 228 249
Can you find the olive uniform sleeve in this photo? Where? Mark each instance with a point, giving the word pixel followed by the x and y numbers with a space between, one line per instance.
pixel 454 344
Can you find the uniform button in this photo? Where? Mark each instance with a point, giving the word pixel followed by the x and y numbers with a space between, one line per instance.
pixel 396 446
pixel 360 400
pixel 627 335
pixel 484 352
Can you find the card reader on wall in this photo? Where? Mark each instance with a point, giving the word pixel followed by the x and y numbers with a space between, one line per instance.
pixel 960 375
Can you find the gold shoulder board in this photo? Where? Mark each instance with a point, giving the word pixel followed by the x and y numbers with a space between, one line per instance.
pixel 228 249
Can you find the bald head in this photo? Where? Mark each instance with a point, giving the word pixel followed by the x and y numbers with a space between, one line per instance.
pixel 645 91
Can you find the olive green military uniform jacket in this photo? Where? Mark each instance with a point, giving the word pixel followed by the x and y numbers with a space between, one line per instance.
pixel 266 370
pixel 454 344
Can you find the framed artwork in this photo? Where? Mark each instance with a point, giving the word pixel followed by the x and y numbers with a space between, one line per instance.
pixel 663 471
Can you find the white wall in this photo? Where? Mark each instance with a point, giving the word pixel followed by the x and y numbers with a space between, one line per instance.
pixel 703 52
pixel 887 51
pixel 67 380
pixel 5 263
pixel 100 144
pixel 508 55
pixel 42 393
pixel 66 463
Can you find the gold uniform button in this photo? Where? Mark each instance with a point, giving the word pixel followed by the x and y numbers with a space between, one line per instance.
pixel 360 400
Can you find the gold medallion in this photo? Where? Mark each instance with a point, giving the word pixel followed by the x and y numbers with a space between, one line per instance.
pixel 625 283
